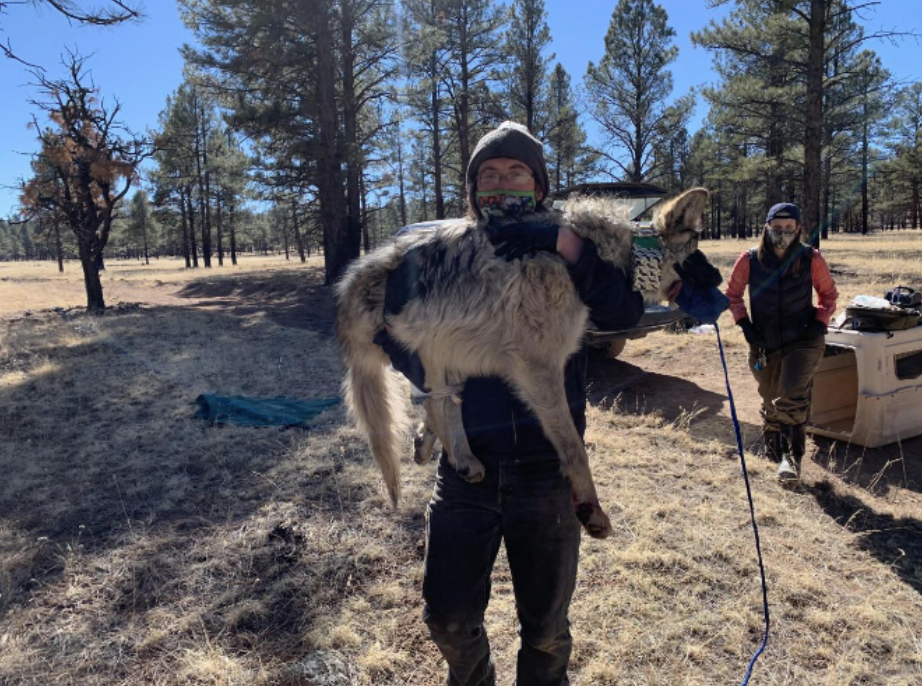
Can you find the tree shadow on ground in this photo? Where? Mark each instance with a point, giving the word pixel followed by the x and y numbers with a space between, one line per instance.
pixel 293 298
pixel 641 391
pixel 878 470
pixel 106 461
pixel 895 541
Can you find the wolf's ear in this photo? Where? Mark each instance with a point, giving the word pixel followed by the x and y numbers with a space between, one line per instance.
pixel 682 214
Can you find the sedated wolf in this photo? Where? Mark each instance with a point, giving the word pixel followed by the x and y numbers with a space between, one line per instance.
pixel 476 314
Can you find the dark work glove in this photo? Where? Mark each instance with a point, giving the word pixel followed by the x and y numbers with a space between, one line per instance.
pixel 404 361
pixel 753 337
pixel 704 304
pixel 696 269
pixel 815 329
pixel 516 240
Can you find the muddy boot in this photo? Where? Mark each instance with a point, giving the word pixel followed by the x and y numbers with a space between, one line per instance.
pixel 788 469
pixel 773 445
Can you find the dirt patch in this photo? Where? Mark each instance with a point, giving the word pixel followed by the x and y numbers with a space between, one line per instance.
pixel 681 377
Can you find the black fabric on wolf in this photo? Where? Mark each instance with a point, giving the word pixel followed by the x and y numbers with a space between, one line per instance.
pixel 403 283
pixel 403 360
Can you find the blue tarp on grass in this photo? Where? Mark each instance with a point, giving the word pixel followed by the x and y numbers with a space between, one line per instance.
pixel 243 411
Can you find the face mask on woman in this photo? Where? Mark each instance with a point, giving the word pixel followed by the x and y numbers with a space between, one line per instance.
pixel 782 239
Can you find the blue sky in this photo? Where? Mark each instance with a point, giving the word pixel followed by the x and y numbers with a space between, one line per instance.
pixel 140 64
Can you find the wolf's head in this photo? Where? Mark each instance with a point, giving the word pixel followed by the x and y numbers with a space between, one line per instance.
pixel 678 224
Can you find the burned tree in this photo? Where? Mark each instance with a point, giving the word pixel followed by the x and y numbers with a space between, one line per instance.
pixel 89 162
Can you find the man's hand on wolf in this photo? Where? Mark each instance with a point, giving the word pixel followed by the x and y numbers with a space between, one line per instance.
pixel 514 241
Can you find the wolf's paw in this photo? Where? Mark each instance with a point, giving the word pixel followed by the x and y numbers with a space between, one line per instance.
pixel 423 444
pixel 593 519
pixel 471 470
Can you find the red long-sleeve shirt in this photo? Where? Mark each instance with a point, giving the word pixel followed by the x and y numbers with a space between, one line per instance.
pixel 823 284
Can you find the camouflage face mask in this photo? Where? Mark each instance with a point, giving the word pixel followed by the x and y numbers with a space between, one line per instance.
pixel 503 203
pixel 780 239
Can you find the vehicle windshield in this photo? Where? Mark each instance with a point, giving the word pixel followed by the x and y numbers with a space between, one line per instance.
pixel 638 209
pixel 641 209
pixel 646 214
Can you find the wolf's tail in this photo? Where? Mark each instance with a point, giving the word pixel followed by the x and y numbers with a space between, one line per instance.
pixel 372 393
pixel 373 398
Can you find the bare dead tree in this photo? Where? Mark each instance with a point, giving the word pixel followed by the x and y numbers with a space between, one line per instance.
pixel 89 162
pixel 116 12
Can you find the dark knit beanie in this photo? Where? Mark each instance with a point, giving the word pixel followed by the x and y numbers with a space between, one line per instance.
pixel 509 139
pixel 783 210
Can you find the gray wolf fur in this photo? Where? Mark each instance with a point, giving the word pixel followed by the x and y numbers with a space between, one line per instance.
pixel 479 315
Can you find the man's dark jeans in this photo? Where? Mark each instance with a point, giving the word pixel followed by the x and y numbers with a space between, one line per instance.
pixel 527 504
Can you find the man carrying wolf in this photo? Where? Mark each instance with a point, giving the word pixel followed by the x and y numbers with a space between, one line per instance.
pixel 523 500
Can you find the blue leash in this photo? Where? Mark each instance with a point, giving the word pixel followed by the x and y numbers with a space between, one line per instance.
pixel 752 511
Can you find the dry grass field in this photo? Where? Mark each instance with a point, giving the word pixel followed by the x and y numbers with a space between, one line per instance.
pixel 138 546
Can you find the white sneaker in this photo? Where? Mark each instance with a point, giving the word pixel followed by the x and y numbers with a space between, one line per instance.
pixel 786 471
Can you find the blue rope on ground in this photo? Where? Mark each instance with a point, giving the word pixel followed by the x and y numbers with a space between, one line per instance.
pixel 752 511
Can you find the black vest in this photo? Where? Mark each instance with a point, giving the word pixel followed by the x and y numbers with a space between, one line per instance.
pixel 781 301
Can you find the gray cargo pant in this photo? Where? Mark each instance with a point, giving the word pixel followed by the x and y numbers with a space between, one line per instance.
pixel 785 381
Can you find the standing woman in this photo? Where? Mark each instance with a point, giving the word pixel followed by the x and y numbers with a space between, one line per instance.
pixel 786 332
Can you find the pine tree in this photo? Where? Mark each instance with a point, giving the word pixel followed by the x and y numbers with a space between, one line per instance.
pixel 631 84
pixel 425 57
pixel 526 41
pixel 177 179
pixel 140 226
pixel 275 64
pixel 779 60
pixel 906 137
pixel 570 161
pixel 474 61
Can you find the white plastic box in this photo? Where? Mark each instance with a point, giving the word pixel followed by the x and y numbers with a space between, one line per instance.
pixel 868 387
